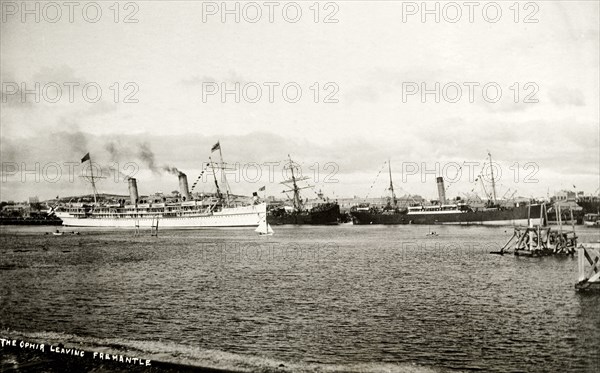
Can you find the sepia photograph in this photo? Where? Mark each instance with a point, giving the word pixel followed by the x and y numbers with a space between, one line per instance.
pixel 312 186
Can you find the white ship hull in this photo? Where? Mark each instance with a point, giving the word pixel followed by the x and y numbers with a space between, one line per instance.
pixel 246 216
pixel 498 222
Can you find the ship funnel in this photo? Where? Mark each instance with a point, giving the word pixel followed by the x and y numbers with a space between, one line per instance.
pixel 133 191
pixel 441 190
pixel 183 186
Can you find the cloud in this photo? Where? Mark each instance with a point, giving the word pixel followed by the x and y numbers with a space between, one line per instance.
pixel 563 96
pixel 230 78
pixel 355 163
pixel 196 80
pixel 363 93
pixel 12 95
pixel 59 74
pixel 100 108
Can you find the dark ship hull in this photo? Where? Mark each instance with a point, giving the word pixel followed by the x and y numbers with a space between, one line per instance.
pixel 387 218
pixel 31 221
pixel 327 214
pixel 506 216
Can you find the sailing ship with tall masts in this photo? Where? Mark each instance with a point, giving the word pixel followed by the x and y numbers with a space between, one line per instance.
pixel 324 213
pixel 183 211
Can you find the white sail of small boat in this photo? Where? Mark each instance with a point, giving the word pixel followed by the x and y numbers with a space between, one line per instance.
pixel 264 229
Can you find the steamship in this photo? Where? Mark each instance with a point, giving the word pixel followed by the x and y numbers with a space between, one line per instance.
pixel 390 214
pixel 217 210
pixel 442 212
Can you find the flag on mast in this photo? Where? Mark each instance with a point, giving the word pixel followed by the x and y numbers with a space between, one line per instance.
pixel 85 158
pixel 217 146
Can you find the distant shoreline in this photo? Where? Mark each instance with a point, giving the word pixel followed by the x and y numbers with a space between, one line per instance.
pixel 22 221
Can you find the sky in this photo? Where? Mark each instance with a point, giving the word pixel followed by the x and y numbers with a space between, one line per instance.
pixel 367 72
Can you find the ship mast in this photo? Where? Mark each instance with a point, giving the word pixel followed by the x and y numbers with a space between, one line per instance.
pixel 224 175
pixel 297 199
pixel 93 183
pixel 483 186
pixel 394 200
pixel 292 183
pixel 493 181
pixel 219 195
pixel 91 178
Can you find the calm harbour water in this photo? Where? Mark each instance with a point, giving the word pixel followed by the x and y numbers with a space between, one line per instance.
pixel 362 298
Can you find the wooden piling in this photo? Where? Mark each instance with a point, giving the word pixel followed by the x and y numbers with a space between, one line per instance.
pixel 588 256
pixel 541 239
pixel 154 227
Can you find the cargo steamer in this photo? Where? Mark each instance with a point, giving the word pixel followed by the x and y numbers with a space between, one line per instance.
pixel 464 215
pixel 443 213
pixel 452 214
